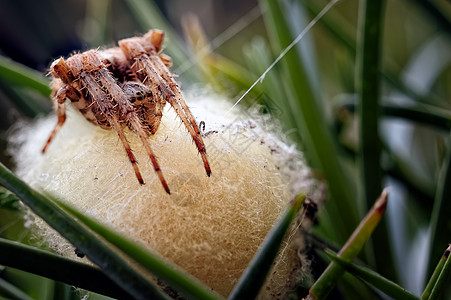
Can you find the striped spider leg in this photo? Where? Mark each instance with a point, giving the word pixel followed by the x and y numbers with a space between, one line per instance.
pixel 151 68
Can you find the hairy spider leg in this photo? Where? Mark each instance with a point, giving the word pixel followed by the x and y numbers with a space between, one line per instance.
pixel 142 65
pixel 127 110
pixel 60 101
pixel 178 98
pixel 60 69
pixel 137 127
pixel 131 157
pixel 98 95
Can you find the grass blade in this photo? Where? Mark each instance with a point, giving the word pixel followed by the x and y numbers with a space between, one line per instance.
pixel 164 270
pixel 440 284
pixel 343 31
pixel 384 285
pixel 11 291
pixel 255 274
pixel 8 200
pixel 440 229
pixel 321 148
pixel 109 259
pixel 438 269
pixel 322 287
pixel 56 267
pixel 369 87
pixel 419 113
pixel 21 75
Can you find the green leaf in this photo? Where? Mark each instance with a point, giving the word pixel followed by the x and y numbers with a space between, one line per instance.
pixel 21 75
pixel 11 291
pixel 255 274
pixel 8 200
pixel 117 268
pixel 56 267
pixel 439 279
pixel 368 84
pixel 384 285
pixel 419 113
pixel 369 89
pixel 440 221
pixel 325 283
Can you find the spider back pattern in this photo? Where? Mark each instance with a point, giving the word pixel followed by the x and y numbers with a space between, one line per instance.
pixel 123 86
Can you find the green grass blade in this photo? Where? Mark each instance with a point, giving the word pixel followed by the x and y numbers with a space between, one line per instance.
pixel 255 274
pixel 322 287
pixel 21 75
pixel 438 269
pixel 384 285
pixel 28 104
pixel 321 148
pixel 368 83
pixel 369 88
pixel 419 113
pixel 442 281
pixel 172 275
pixel 8 200
pixel 440 229
pixel 11 291
pixel 342 30
pixel 56 267
pixel 109 259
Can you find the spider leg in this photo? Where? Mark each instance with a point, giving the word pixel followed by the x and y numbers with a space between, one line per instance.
pixel 133 119
pixel 152 72
pixel 184 113
pixel 103 99
pixel 60 98
pixel 126 110
pixel 120 132
pixel 137 127
pixel 130 115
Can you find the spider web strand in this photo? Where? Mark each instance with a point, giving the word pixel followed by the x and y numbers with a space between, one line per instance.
pixel 285 51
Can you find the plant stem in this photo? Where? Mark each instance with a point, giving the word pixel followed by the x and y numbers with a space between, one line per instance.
pixel 435 276
pixel 255 274
pixel 440 229
pixel 22 75
pixel 325 283
pixel 56 267
pixel 368 83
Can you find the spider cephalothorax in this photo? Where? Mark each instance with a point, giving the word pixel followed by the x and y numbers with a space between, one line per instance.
pixel 123 86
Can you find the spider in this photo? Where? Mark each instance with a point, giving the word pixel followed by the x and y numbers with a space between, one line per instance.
pixel 123 86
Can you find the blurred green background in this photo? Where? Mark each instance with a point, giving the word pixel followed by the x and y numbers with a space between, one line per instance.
pixel 314 93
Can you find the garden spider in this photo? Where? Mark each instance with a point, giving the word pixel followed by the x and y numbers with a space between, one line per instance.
pixel 123 86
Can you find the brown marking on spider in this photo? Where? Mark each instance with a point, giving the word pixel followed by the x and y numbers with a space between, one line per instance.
pixel 126 86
